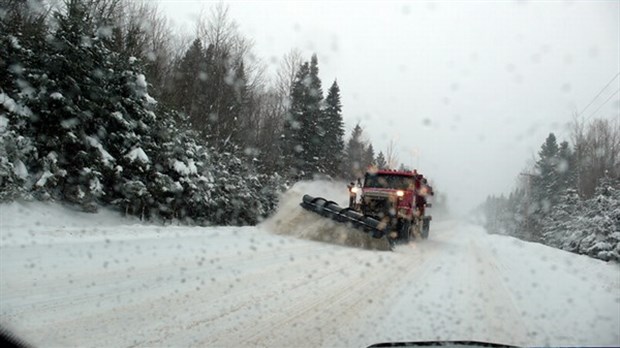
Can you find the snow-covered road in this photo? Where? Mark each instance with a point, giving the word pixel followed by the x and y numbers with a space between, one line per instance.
pixel 119 283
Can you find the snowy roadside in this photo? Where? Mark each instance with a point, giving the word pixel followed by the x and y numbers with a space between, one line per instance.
pixel 23 223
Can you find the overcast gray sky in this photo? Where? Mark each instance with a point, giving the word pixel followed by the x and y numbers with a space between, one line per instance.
pixel 469 90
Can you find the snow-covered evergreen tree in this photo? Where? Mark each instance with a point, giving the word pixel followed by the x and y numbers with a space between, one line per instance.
pixel 15 151
pixel 519 215
pixel 22 36
pixel 332 150
pixel 546 182
pixel 565 168
pixel 190 83
pixel 380 161
pixel 562 221
pixel 369 156
pixel 77 124
pixel 354 161
pixel 313 123
pixel 598 232
pixel 294 147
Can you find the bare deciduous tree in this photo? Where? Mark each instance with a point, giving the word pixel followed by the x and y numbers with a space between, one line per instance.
pixel 391 155
pixel 285 75
pixel 596 151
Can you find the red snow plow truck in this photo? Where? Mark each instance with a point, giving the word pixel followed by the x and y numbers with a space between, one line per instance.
pixel 389 204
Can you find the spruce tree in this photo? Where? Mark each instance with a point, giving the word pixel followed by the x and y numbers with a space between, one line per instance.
pixel 190 82
pixel 332 150
pixel 565 168
pixel 380 161
pixel 544 187
pixel 224 92
pixel 560 223
pixel 546 182
pixel 81 127
pixel 294 142
pixel 354 155
pixel 369 157
pixel 601 221
pixel 242 132
pixel 305 127
pixel 313 125
pixel 23 50
pixel 75 111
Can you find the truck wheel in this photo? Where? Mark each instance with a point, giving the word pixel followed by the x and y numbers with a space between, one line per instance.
pixel 405 232
pixel 426 225
pixel 415 229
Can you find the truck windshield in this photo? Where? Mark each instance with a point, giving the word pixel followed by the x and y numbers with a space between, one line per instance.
pixel 390 181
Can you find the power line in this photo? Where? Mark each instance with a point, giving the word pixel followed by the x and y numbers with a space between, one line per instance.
pixel 605 102
pixel 599 93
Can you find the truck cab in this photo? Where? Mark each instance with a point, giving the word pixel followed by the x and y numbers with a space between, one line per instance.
pixel 399 200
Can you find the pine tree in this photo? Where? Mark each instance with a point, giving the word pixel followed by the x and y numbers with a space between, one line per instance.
pixel 15 152
pixel 332 150
pixel 544 186
pixel 546 182
pixel 75 110
pixel 601 222
pixel 312 123
pixel 369 156
pixel 380 161
pixel 22 25
pixel 85 97
pixel 293 142
pixel 224 92
pixel 565 168
pixel 23 33
pixel 241 134
pixel 269 142
pixel 190 82
pixel 305 128
pixel 354 155
pixel 519 211
pixel 403 167
pixel 560 223
pixel 86 131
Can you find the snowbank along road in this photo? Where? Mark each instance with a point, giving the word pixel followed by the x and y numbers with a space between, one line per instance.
pixel 73 279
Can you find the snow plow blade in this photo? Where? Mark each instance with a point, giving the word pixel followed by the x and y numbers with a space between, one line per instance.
pixel 372 227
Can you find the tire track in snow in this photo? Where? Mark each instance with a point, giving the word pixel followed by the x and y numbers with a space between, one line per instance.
pixel 503 317
pixel 245 301
pixel 346 302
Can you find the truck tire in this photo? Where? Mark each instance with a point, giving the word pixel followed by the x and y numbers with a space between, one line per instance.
pixel 426 225
pixel 404 234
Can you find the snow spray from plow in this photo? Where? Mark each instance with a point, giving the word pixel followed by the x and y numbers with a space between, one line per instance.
pixel 291 220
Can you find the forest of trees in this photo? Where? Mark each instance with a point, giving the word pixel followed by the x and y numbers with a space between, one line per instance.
pixel 103 103
pixel 571 198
